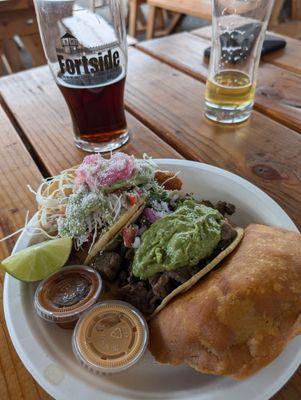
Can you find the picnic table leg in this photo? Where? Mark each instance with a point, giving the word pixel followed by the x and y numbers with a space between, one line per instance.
pixel 296 9
pixel 175 22
pixel 151 22
pixel 133 5
pixel 274 20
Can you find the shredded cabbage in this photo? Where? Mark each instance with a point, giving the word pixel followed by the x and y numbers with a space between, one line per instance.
pixel 52 197
pixel 84 212
pixel 67 208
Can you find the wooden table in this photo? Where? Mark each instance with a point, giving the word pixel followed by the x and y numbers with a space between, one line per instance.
pixel 164 101
pixel 201 9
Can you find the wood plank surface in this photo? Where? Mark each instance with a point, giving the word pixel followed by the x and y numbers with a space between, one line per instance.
pixel 288 58
pixel 10 5
pixel 296 9
pixel 48 120
pixel 21 22
pixel 289 28
pixel 171 103
pixel 17 169
pixel 48 129
pixel 277 93
pixel 34 47
pixel 264 152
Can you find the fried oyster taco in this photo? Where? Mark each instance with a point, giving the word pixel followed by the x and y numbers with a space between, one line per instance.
pixel 93 202
pixel 130 221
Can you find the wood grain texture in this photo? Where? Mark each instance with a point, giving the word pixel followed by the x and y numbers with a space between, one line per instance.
pixel 17 203
pixel 38 106
pixel 289 28
pixel 17 169
pixel 21 22
pixel 296 9
pixel 278 91
pixel 276 13
pixel 12 56
pixel 151 19
pixel 15 381
pixel 196 8
pixel 34 47
pixel 288 58
pixel 10 5
pixel 171 103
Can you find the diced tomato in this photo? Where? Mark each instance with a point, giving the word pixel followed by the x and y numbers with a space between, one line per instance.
pixel 129 235
pixel 132 199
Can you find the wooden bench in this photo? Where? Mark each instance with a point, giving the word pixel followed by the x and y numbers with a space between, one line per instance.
pixel 196 8
pixel 137 22
pixel 292 27
pixel 20 45
pixel 202 9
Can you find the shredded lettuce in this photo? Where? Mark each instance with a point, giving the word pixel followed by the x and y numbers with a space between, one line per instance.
pixel 90 213
pixel 70 206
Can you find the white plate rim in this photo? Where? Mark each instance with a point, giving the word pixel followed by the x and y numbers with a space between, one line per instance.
pixel 38 376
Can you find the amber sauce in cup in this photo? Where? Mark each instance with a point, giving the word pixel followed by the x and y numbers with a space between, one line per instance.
pixel 65 295
pixel 110 337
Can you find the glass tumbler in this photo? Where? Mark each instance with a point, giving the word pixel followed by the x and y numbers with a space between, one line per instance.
pixel 238 30
pixel 86 49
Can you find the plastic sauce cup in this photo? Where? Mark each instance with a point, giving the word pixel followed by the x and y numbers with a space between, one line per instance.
pixel 65 295
pixel 110 337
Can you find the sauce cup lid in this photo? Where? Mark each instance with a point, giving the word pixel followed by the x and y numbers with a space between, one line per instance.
pixel 66 294
pixel 110 337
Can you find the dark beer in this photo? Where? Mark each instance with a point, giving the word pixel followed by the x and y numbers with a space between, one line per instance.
pixel 97 113
pixel 86 49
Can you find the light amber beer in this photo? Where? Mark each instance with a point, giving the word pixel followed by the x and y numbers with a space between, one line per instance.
pixel 230 88
pixel 238 29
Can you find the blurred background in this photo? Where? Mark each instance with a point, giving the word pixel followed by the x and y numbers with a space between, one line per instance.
pixel 20 45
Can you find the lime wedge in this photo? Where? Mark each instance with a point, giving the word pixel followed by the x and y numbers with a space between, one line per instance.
pixel 38 261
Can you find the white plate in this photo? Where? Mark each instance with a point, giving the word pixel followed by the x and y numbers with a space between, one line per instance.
pixel 46 351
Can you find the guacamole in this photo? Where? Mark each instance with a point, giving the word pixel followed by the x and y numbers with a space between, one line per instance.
pixel 179 239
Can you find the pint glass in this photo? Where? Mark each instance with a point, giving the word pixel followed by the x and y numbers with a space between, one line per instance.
pixel 86 49
pixel 238 29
